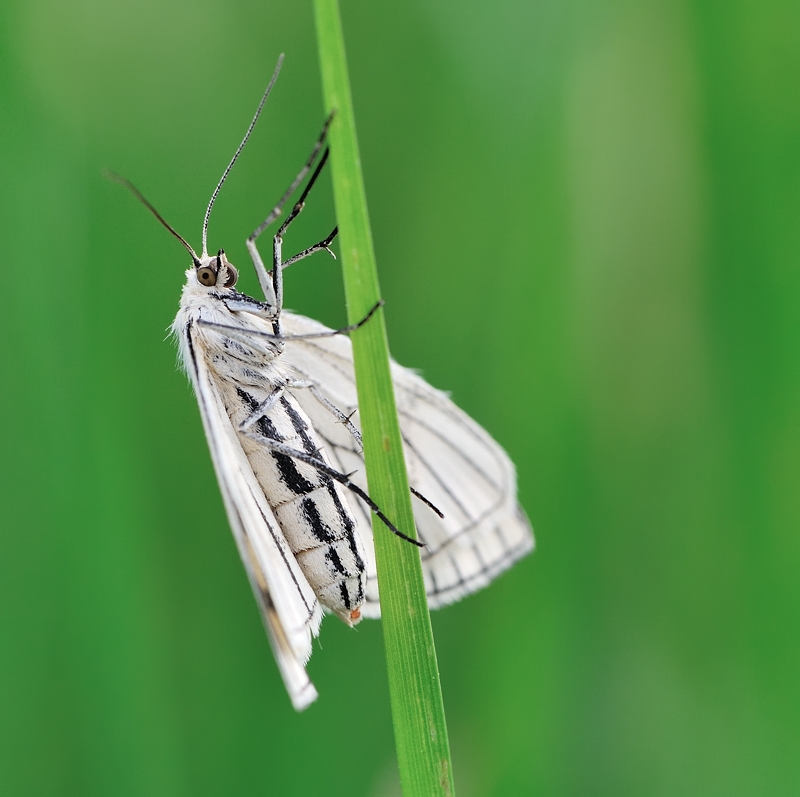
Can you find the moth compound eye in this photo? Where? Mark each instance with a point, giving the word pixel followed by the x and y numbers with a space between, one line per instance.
pixel 207 276
pixel 233 275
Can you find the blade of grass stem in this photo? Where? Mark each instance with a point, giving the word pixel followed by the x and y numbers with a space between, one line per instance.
pixel 423 752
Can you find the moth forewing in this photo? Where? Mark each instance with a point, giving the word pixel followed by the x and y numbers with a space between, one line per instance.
pixel 289 607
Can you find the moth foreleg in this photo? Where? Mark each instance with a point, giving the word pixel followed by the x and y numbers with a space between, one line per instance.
pixel 263 310
pixel 278 209
pixel 242 334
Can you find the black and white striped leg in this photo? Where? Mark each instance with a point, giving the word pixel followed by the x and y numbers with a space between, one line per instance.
pixel 277 241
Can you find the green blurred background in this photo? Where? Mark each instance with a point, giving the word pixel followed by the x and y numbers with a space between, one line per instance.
pixel 586 221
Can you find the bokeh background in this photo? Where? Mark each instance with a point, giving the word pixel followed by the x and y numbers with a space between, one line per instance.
pixel 586 221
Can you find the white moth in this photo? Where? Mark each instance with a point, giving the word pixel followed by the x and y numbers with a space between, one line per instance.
pixel 277 398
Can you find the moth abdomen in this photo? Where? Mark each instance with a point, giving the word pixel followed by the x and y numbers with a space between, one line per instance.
pixel 313 514
pixel 321 534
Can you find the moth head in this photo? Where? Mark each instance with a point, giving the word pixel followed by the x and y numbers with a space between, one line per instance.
pixel 216 271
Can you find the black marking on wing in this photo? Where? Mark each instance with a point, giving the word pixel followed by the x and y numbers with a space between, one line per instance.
pixel 343 515
pixel 454 562
pixel 310 609
pixel 346 372
pixel 187 331
pixel 485 574
pixel 333 451
pixel 434 589
pixel 488 569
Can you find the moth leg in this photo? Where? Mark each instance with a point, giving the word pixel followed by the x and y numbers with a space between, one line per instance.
pixel 263 408
pixel 324 244
pixel 340 416
pixel 342 478
pixel 263 277
pixel 249 305
pixel 243 334
pixel 277 240
pixel 272 399
pixel 346 421
pixel 301 203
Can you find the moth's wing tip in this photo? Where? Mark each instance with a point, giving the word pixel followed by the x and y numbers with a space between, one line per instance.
pixel 291 662
pixel 524 523
pixel 304 697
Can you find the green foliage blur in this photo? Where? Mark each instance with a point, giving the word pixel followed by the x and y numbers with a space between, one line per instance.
pixel 586 222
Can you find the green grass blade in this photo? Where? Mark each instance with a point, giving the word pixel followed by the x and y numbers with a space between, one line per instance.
pixel 423 752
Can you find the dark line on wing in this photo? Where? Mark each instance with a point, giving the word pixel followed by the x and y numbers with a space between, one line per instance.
pixel 468 424
pixel 310 609
pixel 487 573
pixel 452 538
pixel 432 400
pixel 435 476
pixel 432 576
pixel 436 433
pixel 187 331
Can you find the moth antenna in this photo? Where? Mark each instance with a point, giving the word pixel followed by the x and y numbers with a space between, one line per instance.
pixel 140 196
pixel 238 151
